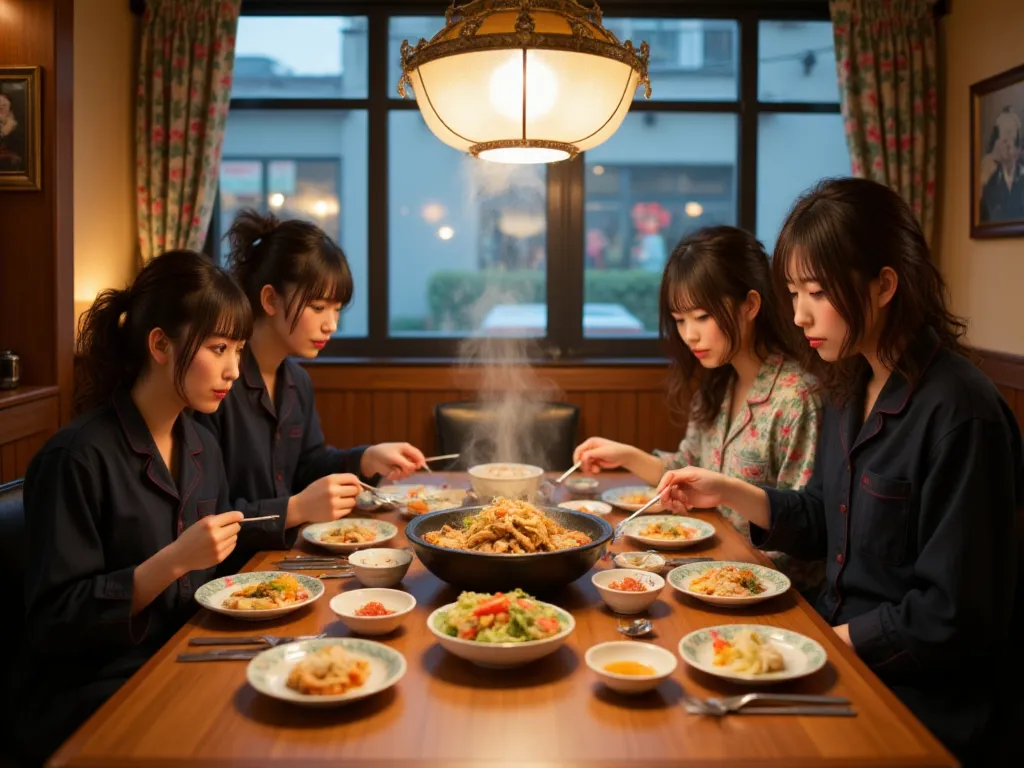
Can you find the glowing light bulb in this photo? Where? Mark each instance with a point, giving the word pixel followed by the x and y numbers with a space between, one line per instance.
pixel 506 89
pixel 693 209
pixel 276 200
pixel 446 233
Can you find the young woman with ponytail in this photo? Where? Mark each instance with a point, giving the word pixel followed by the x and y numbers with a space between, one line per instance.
pixel 297 280
pixel 126 507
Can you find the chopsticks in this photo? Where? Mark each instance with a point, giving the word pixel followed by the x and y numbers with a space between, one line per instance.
pixel 441 458
pixel 569 471
pixel 644 508
pixel 256 519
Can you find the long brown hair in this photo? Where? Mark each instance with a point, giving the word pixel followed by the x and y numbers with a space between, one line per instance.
pixel 714 269
pixel 180 292
pixel 840 235
pixel 288 255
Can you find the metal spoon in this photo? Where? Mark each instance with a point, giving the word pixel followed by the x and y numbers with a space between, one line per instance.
pixel 635 628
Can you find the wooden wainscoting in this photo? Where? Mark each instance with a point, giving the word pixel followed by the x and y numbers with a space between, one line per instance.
pixel 28 417
pixel 373 402
pixel 1007 371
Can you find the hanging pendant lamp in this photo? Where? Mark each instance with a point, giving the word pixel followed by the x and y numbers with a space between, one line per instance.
pixel 524 81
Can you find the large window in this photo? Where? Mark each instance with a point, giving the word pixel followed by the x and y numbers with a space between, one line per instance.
pixel 744 117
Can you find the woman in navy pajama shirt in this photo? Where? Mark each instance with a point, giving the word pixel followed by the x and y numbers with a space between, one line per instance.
pixel 297 280
pixel 125 507
pixel 914 497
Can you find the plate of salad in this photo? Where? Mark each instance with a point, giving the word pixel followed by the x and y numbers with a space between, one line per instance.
pixel 500 629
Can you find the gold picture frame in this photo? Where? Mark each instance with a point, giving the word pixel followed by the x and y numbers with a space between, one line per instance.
pixel 20 129
pixel 997 155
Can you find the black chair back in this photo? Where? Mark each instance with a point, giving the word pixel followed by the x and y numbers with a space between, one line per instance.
pixel 12 575
pixel 469 429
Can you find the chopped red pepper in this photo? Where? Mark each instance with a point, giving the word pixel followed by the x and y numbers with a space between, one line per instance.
pixel 497 604
pixel 468 633
pixel 526 605
pixel 548 624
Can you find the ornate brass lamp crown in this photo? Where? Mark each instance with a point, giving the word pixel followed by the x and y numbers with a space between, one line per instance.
pixel 524 81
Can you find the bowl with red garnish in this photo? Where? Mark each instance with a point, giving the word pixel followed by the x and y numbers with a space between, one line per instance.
pixel 372 611
pixel 627 590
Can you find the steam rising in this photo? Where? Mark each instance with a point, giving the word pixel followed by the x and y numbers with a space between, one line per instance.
pixel 514 392
pixel 508 387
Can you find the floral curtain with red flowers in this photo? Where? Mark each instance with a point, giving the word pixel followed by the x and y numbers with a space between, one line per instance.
pixel 185 66
pixel 888 84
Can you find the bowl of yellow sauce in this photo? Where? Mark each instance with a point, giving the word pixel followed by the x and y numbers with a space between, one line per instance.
pixel 630 667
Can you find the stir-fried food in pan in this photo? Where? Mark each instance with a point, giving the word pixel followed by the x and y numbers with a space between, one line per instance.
pixel 508 527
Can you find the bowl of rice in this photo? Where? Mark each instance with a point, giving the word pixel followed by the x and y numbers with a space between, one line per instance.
pixel 512 481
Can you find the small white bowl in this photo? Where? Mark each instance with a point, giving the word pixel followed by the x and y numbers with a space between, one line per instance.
pixel 513 481
pixel 628 602
pixel 598 508
pixel 663 662
pixel 381 567
pixel 345 605
pixel 651 562
pixel 581 486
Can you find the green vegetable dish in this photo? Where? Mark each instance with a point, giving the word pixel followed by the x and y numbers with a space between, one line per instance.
pixel 513 617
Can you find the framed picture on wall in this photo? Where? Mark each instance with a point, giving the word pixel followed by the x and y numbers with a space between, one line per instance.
pixel 20 128
pixel 997 160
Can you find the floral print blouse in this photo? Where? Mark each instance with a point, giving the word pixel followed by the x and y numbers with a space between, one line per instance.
pixel 771 442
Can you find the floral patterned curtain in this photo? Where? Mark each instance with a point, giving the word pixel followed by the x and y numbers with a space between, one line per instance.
pixel 888 84
pixel 185 66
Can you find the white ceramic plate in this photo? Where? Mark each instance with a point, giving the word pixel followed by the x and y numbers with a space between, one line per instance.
pixel 598 508
pixel 617 498
pixel 435 498
pixel 502 655
pixel 703 531
pixel 801 655
pixel 268 672
pixel 385 532
pixel 774 582
pixel 213 594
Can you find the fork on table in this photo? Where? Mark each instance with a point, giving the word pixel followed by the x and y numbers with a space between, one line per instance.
pixel 801 704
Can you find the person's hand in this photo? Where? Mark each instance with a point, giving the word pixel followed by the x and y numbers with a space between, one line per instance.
pixel 843 630
pixel 326 499
pixel 393 461
pixel 598 453
pixel 692 487
pixel 207 542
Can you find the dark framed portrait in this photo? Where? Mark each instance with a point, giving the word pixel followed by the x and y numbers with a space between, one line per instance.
pixel 997 155
pixel 20 128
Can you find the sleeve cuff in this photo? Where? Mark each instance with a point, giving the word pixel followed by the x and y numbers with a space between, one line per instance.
pixel 763 538
pixel 267 534
pixel 114 592
pixel 875 641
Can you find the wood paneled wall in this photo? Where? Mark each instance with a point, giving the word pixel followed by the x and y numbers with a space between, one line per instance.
pixel 1007 371
pixel 27 420
pixel 37 251
pixel 370 403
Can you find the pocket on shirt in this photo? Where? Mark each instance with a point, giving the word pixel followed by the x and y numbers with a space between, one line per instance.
pixel 885 511
pixel 206 507
pixel 755 472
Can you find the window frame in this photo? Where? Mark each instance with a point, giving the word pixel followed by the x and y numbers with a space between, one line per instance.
pixel 565 340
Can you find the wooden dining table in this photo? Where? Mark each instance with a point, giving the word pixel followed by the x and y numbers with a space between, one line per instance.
pixel 553 712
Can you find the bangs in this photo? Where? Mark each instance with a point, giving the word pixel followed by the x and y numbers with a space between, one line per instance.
pixel 692 287
pixel 800 266
pixel 326 278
